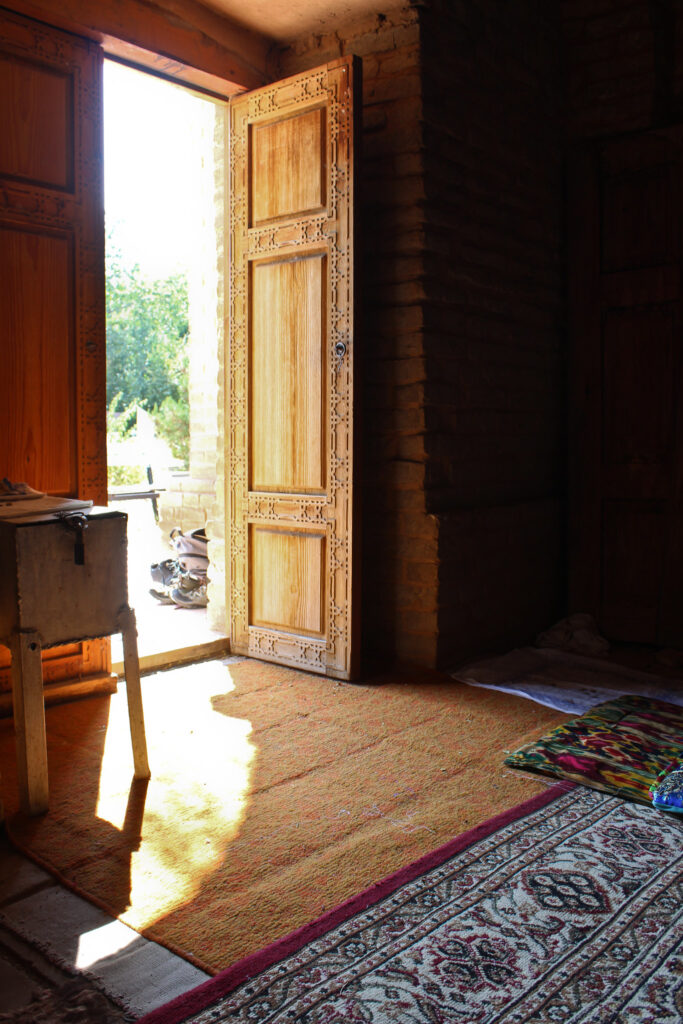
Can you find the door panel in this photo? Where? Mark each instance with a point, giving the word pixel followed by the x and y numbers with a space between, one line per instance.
pixel 52 385
pixel 290 419
pixel 626 372
pixel 37 270
pixel 36 123
pixel 288 574
pixel 290 152
pixel 288 346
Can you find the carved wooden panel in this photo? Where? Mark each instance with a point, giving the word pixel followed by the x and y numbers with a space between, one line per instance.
pixel 287 416
pixel 52 388
pixel 37 272
pixel 290 419
pixel 288 151
pixel 36 126
pixel 288 570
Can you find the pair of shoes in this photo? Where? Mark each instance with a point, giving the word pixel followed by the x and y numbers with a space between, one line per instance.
pixel 185 590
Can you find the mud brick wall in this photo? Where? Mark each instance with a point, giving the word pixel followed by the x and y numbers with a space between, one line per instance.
pixel 624 65
pixel 494 320
pixel 493 330
pixel 400 541
pixel 463 398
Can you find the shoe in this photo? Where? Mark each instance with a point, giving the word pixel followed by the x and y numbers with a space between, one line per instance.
pixel 162 596
pixel 165 572
pixel 196 598
pixel 198 564
pixel 187 581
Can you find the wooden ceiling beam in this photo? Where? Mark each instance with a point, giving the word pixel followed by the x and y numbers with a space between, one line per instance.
pixel 179 39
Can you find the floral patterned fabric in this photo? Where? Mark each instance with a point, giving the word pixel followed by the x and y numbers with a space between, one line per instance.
pixel 619 747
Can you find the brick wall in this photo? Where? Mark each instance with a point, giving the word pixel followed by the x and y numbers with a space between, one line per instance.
pixel 624 65
pixel 462 338
pixel 196 499
pixel 493 319
pixel 399 537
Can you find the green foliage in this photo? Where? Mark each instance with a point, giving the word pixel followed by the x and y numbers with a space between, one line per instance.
pixel 126 476
pixel 147 362
pixel 172 420
pixel 120 417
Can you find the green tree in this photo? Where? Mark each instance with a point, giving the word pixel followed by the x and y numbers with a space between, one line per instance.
pixel 147 361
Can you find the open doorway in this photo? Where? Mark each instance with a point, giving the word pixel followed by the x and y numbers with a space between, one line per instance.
pixel 163 156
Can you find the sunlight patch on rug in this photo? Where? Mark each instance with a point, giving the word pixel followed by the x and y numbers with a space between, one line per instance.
pixel 175 852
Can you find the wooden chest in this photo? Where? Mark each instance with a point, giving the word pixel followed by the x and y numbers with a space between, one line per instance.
pixel 43 587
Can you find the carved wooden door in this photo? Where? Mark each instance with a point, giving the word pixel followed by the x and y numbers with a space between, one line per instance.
pixel 626 551
pixel 52 395
pixel 290 433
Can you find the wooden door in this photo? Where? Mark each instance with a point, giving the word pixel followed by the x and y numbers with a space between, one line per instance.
pixel 626 436
pixel 52 333
pixel 290 432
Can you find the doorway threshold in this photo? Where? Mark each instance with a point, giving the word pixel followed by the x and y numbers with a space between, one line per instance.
pixel 218 648
pixel 168 635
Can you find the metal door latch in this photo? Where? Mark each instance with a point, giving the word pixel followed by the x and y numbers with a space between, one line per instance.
pixel 340 352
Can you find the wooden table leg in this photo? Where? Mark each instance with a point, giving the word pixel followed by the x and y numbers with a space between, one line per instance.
pixel 29 721
pixel 131 668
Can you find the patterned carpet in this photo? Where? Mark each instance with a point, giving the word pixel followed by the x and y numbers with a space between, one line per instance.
pixel 566 911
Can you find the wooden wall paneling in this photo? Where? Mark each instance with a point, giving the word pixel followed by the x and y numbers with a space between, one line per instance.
pixel 52 312
pixel 290 373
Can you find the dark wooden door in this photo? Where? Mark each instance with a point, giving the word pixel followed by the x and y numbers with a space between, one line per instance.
pixel 626 372
pixel 52 333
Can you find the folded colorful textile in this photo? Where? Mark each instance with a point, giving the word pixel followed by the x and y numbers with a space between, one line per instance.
pixel 619 747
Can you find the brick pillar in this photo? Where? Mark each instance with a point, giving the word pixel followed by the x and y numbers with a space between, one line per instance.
pixel 193 499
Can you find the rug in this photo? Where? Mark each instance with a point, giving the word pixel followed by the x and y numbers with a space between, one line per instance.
pixel 619 747
pixel 566 910
pixel 563 681
pixel 274 795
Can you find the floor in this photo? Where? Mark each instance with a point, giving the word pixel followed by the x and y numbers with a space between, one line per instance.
pixel 48 934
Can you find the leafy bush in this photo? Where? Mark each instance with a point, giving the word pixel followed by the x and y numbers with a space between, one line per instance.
pixel 147 359
pixel 126 476
pixel 172 420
